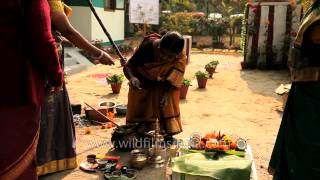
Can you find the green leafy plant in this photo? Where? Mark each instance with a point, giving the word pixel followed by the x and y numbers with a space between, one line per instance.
pixel 202 74
pixel 212 64
pixel 244 29
pixel 186 82
pixel 123 48
pixel 116 78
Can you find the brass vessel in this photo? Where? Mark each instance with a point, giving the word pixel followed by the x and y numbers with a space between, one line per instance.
pixel 138 159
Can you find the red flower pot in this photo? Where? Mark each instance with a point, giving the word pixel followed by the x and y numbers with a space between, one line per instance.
pixel 202 82
pixel 210 71
pixel 116 87
pixel 183 91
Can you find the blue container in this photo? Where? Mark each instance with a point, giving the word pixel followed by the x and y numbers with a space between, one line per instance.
pixel 121 109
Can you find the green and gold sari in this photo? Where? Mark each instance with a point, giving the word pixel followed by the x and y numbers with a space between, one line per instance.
pixel 296 152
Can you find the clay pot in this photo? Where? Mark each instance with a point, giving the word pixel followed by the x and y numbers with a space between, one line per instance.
pixel 202 82
pixel 93 115
pixel 116 87
pixel 210 71
pixel 183 91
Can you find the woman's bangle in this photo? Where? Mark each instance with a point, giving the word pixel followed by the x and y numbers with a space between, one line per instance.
pixel 99 57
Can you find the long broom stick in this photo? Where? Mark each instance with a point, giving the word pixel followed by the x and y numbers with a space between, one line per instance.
pixel 122 59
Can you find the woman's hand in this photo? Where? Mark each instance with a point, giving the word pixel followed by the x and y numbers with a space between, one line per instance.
pixel 56 89
pixel 134 82
pixel 106 59
pixel 163 101
pixel 62 24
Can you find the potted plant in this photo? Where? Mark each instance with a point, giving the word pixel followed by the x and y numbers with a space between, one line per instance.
pixel 115 81
pixel 184 88
pixel 211 67
pixel 202 78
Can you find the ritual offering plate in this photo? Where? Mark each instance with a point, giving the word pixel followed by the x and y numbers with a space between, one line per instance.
pixel 87 166
pixel 217 142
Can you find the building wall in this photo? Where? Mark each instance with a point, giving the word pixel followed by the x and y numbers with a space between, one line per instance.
pixel 269 30
pixel 85 22
pixel 81 20
pixel 114 23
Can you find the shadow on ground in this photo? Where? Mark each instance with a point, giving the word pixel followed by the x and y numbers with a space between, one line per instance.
pixel 260 80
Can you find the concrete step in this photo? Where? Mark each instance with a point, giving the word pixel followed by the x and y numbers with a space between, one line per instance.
pixel 74 61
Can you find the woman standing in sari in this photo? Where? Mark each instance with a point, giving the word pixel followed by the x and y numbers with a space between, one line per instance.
pixel 28 57
pixel 57 147
pixel 155 74
pixel 296 151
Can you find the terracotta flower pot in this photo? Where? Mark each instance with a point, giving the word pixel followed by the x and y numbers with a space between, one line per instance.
pixel 210 71
pixel 202 82
pixel 183 91
pixel 116 87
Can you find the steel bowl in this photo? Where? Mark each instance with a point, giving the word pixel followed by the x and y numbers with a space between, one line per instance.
pixel 102 163
pixel 108 105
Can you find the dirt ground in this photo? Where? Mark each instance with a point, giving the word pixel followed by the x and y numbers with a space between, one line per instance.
pixel 235 101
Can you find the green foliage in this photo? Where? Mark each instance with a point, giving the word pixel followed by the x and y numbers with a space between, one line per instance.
pixel 123 48
pixel 116 78
pixel 186 82
pixel 212 64
pixel 236 21
pixel 177 23
pixel 189 24
pixel 202 74
pixel 195 25
pixel 225 7
pixel 244 29
pixel 219 28
pixel 203 26
pixel 178 5
pixel 174 16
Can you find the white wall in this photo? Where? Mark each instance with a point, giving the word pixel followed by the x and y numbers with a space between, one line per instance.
pixel 85 22
pixel 112 20
pixel 263 35
pixel 81 20
pixel 279 34
pixel 279 30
